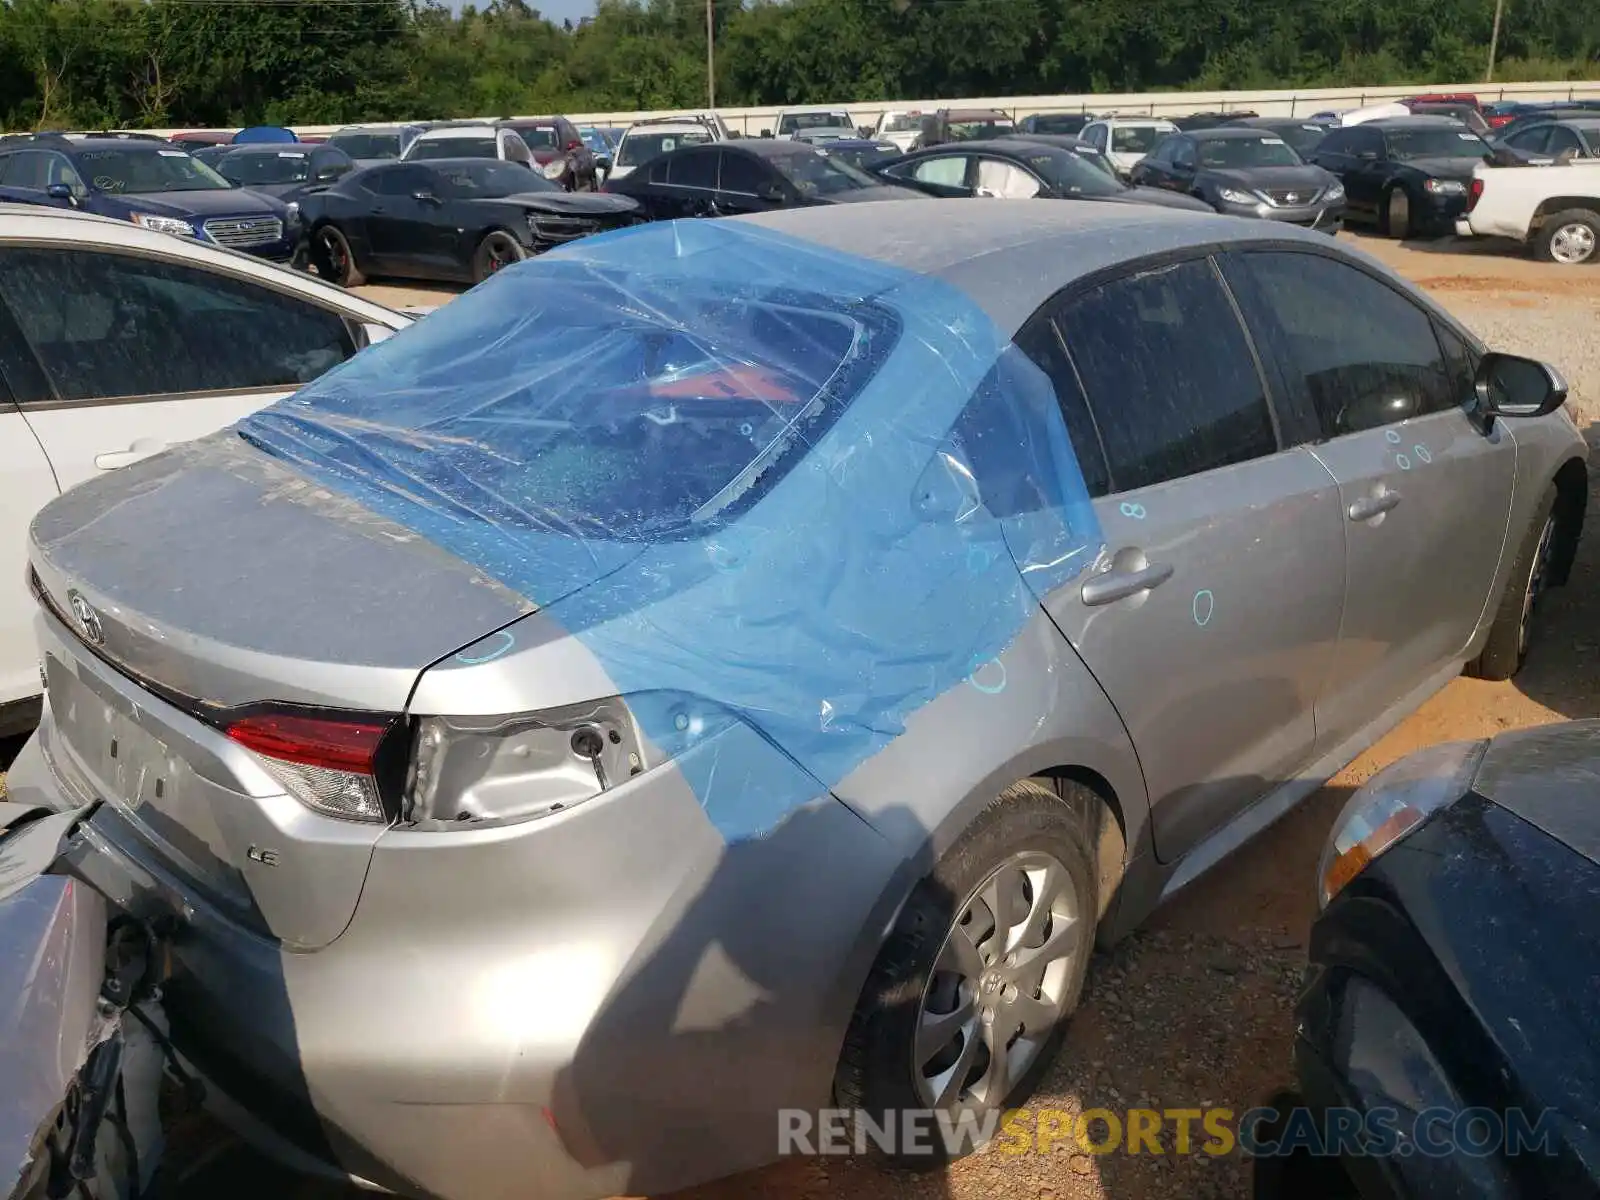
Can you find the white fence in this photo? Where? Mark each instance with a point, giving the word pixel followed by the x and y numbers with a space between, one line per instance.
pixel 1284 102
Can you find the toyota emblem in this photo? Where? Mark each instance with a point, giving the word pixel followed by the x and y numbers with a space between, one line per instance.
pixel 88 620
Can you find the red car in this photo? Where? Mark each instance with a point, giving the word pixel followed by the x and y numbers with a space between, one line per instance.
pixel 556 140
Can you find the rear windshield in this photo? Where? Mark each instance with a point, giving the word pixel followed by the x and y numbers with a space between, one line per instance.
pixel 464 147
pixel 539 137
pixel 1067 123
pixel 983 127
pixel 278 166
pixel 367 145
pixel 637 148
pixel 1441 142
pixel 1268 150
pixel 901 123
pixel 818 173
pixel 623 417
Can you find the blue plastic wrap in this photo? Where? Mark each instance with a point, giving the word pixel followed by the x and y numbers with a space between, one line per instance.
pixel 812 489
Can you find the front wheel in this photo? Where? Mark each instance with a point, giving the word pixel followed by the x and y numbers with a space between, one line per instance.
pixel 333 258
pixel 495 253
pixel 968 1000
pixel 1570 238
pixel 1397 213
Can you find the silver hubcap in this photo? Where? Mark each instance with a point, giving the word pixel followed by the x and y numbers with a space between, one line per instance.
pixel 1572 243
pixel 1535 588
pixel 1399 212
pixel 1000 984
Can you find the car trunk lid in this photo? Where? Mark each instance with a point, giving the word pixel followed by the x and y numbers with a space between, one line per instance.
pixel 154 641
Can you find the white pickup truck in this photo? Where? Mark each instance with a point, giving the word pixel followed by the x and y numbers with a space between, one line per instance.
pixel 1554 208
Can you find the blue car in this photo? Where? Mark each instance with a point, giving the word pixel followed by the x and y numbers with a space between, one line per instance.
pixel 151 184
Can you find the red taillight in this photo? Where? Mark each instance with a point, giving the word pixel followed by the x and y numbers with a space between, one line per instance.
pixel 1474 192
pixel 332 743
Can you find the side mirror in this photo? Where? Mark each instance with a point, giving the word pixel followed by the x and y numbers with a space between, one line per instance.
pixel 1509 385
pixel 60 191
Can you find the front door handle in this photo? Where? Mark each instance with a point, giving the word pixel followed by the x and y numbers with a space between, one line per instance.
pixel 1119 585
pixel 141 448
pixel 1373 506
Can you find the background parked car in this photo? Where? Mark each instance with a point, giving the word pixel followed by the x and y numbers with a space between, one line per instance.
pixel 1014 168
pixel 264 133
pixel 1467 114
pixel 186 138
pixel 132 341
pixel 792 120
pixel 369 144
pixel 1245 172
pixel 1125 140
pixel 1407 175
pixel 468 141
pixel 158 187
pixel 457 220
pixel 963 125
pixel 603 148
pixel 1095 157
pixel 650 139
pixel 1303 135
pixel 1068 124
pixel 822 135
pixel 284 173
pixel 1555 212
pixel 900 126
pixel 559 152
pixel 1211 120
pixel 748 175
pixel 1558 140
pixel 1452 970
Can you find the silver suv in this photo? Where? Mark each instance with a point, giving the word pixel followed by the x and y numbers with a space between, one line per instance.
pixel 737 666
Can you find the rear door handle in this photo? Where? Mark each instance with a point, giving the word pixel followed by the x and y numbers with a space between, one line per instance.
pixel 1119 585
pixel 142 448
pixel 1373 506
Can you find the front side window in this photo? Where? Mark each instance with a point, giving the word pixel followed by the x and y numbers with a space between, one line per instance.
pixel 1367 354
pixel 1168 374
pixel 996 177
pixel 105 326
pixel 742 174
pixel 26 169
pixel 143 172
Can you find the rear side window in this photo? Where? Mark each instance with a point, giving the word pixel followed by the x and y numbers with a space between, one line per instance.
pixel 698 170
pixel 1169 375
pixel 1367 355
pixel 106 326
pixel 26 169
pixel 1041 342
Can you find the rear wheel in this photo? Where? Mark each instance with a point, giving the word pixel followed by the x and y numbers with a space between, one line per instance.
pixel 1569 237
pixel 968 1000
pixel 495 253
pixel 1512 632
pixel 333 258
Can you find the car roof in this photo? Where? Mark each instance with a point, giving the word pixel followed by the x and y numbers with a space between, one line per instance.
pixel 1010 256
pixel 974 114
pixel 1115 119
pixel 684 126
pixel 764 147
pixel 1417 122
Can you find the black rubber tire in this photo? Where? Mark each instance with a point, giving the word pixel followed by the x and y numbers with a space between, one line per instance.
pixel 1406 228
pixel 874 1075
pixel 1556 221
pixel 348 275
pixel 483 257
pixel 1503 654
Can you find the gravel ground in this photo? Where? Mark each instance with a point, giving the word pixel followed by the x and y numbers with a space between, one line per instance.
pixel 1196 1010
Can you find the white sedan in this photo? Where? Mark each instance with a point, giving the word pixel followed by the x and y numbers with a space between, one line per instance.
pixel 116 342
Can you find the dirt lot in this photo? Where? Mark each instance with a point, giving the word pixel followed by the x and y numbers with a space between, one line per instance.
pixel 1195 1010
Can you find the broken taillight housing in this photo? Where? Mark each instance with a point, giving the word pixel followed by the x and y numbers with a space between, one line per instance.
pixel 331 763
pixel 1474 192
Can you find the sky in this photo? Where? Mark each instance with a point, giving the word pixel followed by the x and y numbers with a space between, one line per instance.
pixel 555 10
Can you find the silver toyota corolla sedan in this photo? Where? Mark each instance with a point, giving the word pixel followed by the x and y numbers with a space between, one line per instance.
pixel 728 667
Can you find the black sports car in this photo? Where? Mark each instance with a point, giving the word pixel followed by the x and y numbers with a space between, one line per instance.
pixel 1245 172
pixel 716 179
pixel 1015 168
pixel 448 219
pixel 1406 175
pixel 1448 1022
